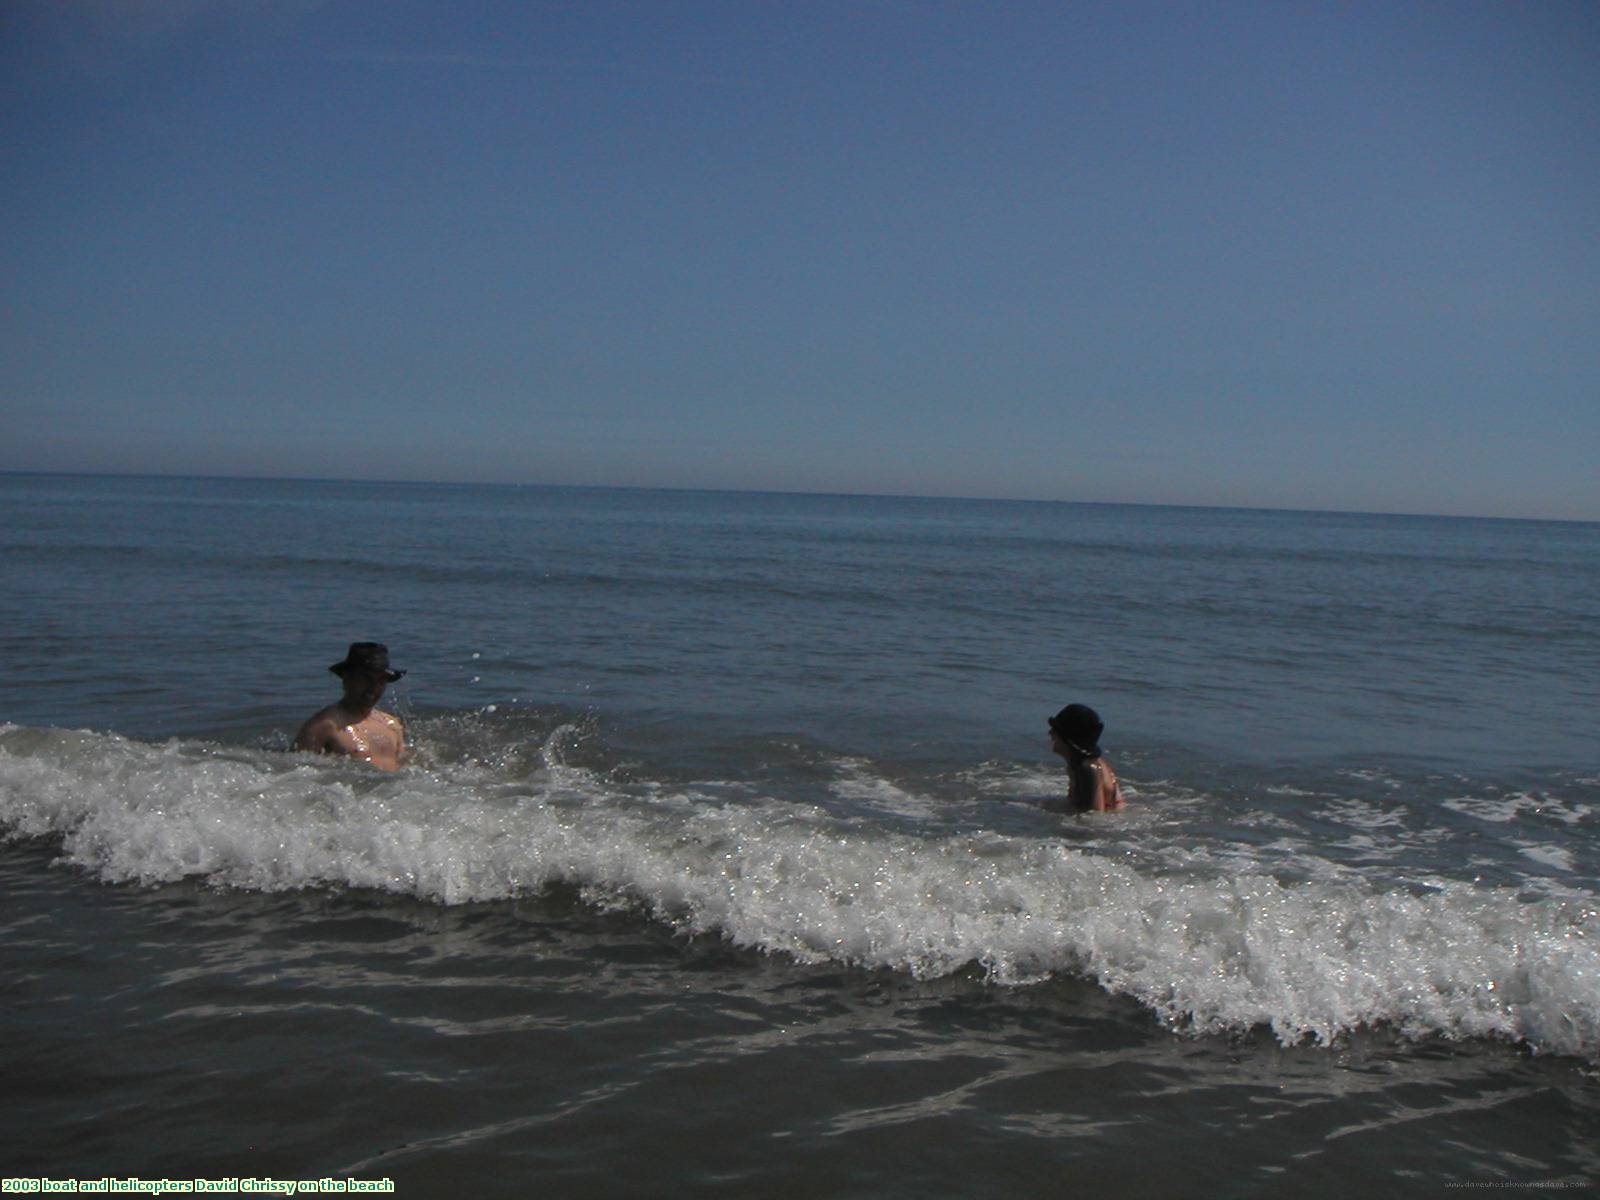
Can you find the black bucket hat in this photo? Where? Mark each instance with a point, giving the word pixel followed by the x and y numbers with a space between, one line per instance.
pixel 1080 727
pixel 367 656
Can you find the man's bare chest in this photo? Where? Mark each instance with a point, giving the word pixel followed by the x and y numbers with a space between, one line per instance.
pixel 376 735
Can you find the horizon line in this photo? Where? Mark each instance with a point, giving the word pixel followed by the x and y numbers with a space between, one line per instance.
pixel 733 491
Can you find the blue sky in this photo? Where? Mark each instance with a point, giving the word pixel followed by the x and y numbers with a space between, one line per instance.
pixel 1289 255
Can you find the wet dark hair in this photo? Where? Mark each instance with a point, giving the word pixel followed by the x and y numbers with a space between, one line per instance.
pixel 1080 727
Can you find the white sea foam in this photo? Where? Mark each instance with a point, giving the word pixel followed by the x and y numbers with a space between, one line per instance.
pixel 1210 948
pixel 1373 775
pixel 858 783
pixel 1030 783
pixel 1361 814
pixel 1515 805
pixel 1550 856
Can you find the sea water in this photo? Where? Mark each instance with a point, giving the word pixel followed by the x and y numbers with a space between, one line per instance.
pixel 724 862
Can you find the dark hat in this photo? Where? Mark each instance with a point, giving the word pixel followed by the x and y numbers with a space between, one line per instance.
pixel 1081 726
pixel 367 656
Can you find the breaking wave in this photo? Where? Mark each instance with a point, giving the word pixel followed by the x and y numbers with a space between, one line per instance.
pixel 1208 949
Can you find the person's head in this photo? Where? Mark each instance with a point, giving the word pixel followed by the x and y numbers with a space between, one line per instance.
pixel 1077 728
pixel 365 672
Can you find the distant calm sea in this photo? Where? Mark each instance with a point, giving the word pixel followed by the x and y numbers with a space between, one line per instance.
pixel 721 868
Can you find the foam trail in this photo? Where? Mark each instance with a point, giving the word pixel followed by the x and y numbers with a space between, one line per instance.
pixel 1209 951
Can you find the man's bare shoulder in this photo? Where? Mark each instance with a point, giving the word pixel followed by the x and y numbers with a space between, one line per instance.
pixel 325 718
pixel 318 728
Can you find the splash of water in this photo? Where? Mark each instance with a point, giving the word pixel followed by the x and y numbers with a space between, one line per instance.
pixel 1208 950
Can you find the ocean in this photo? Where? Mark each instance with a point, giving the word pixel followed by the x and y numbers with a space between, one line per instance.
pixel 722 865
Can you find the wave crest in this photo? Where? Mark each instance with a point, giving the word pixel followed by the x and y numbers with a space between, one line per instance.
pixel 1209 952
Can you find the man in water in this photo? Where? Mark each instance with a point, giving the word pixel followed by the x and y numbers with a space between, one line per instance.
pixel 1091 783
pixel 354 726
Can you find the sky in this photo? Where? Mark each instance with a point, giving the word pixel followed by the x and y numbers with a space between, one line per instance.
pixel 1330 256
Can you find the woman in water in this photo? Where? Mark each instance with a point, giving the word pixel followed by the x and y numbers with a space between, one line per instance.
pixel 1091 783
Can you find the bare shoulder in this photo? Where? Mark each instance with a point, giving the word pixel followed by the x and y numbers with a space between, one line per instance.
pixel 315 733
pixel 326 718
pixel 1111 786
